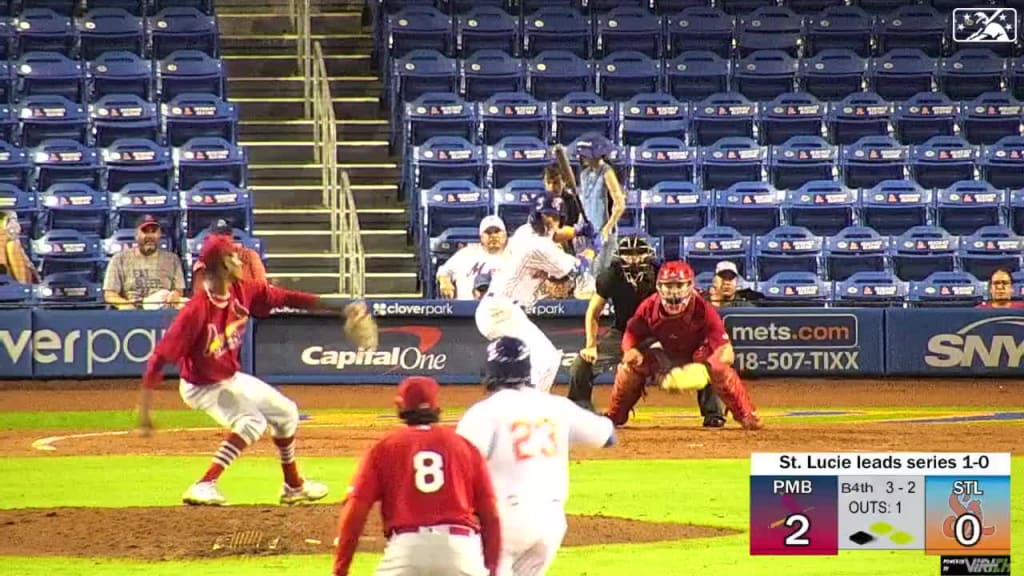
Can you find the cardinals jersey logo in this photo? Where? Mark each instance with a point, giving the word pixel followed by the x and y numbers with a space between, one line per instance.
pixel 219 343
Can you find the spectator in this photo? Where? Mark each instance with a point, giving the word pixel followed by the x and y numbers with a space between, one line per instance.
pixel 1000 291
pixel 572 209
pixel 725 290
pixel 599 187
pixel 252 264
pixel 13 260
pixel 457 276
pixel 144 277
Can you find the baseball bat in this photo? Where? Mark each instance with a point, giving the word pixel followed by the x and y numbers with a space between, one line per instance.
pixel 562 159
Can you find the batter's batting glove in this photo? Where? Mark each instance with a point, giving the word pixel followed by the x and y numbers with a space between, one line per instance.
pixel 583 262
pixel 583 230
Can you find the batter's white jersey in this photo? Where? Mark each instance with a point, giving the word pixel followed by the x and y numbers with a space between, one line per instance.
pixel 532 258
pixel 468 263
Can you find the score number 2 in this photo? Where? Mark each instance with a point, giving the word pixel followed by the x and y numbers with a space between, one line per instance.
pixel 533 438
pixel 802 524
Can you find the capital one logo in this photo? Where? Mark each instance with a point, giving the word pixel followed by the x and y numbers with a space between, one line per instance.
pixel 992 343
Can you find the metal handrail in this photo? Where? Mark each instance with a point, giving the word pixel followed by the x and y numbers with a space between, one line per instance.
pixel 300 12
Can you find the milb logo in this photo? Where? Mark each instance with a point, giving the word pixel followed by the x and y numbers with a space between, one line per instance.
pixel 985 25
pixel 792 330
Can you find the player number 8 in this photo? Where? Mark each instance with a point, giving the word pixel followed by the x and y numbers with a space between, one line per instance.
pixel 797 537
pixel 429 468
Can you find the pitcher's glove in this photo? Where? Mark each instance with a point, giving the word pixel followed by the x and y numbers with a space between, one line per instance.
pixel 693 376
pixel 360 327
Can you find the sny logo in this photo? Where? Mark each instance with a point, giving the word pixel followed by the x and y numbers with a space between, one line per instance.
pixel 985 25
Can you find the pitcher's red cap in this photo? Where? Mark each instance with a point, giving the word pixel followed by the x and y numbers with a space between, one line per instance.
pixel 418 393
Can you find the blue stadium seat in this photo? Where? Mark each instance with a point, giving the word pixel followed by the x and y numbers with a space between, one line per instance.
pixel 832 75
pixel 558 29
pixel 14 294
pixel 516 158
pixel 452 204
pixel 8 124
pixel 988 249
pixel 879 7
pixel 743 6
pixel 966 206
pixel 183 28
pixel 871 290
pixel 943 160
pixel 420 72
pixel 822 206
pixel 794 290
pixel 436 251
pixel 648 116
pixel 838 28
pixel 857 116
pixel 49 73
pixel 69 290
pixel 15 166
pixel 788 115
pixel 69 251
pixel 751 208
pixel 486 28
pixel 212 200
pixel 1000 48
pixel 728 114
pixel 137 160
pixel 629 29
pixel 436 114
pixel 915 27
pixel 515 201
pixel 554 74
pixel 210 158
pixel 134 201
pixel 854 250
pixel 810 7
pixel 24 203
pixel 970 73
pixel 6 39
pixel 606 6
pixel 123 116
pixel 924 115
pixel 6 83
pixel 787 249
pixel 899 74
pixel 75 206
pixel 43 30
pixel 120 73
pixel 666 7
pixel 799 160
pixel 695 75
pixel 894 206
pixel 418 28
pixel 623 75
pixel 1015 77
pixel 489 72
pixel 946 290
pixel 579 113
pixel 193 246
pixel 133 7
pixel 699 28
pixel 991 116
pixel 108 30
pixel 714 244
pixel 190 116
pixel 704 281
pixel 660 160
pixel 190 71
pixel 1015 211
pixel 61 160
pixel 513 114
pixel 204 6
pixel 769 28
pixel 731 160
pixel 765 74
pixel 445 158
pixel 923 250
pixel 62 7
pixel 673 208
pixel 871 160
pixel 1002 163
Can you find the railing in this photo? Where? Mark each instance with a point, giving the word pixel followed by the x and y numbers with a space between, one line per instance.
pixel 301 16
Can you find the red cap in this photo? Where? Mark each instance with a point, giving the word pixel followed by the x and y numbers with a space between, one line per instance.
pixel 418 393
pixel 675 271
pixel 147 221
pixel 215 249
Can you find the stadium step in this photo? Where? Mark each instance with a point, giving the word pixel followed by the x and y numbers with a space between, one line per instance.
pixel 378 284
pixel 351 107
pixel 351 129
pixel 249 65
pixel 300 263
pixel 306 239
pixel 354 151
pixel 277 23
pixel 286 43
pixel 283 6
pixel 284 196
pixel 369 218
pixel 292 86
pixel 296 174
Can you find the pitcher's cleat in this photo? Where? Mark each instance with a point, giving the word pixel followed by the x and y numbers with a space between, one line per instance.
pixel 310 491
pixel 203 494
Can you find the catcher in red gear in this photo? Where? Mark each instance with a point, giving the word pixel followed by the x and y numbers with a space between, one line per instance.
pixel 671 328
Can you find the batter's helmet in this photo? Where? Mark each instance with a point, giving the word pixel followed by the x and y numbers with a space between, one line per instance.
pixel 545 204
pixel 675 286
pixel 508 364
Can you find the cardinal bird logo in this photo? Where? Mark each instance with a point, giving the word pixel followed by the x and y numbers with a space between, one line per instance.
pixel 219 343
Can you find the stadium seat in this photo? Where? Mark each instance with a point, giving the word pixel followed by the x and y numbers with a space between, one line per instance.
pixel 991 116
pixel 839 28
pixel 743 6
pixel 210 158
pixel 120 73
pixel 695 75
pixel 212 200
pixel 49 73
pixel 43 30
pixel 943 160
pixel 854 250
pixel 62 7
pixel 173 29
pixel 418 28
pixel 924 115
pixel 513 114
pixel 871 290
pixel 69 290
pixel 606 6
pixel 75 206
pixel 787 249
pixel 966 206
pixel 515 201
pixel 1002 163
pixel 894 206
pixel 659 160
pixel 24 203
pixel 516 158
pixel 666 7
pixel 420 72
pixel 557 29
pixel 810 7
pixel 623 75
pixel 970 73
pixel 66 161
pixel 436 251
pixel 8 124
pixel 15 294
pixel 137 160
pixel 714 244
pixel 136 200
pixel 123 116
pixel 832 75
pixel 490 72
pixel 6 83
pixel 988 249
pixel 486 28
pixel 579 113
pixel 674 208
pixel 7 50
pixel 190 71
pixel 750 208
pixel 629 29
pixel 765 74
pixel 923 250
pixel 435 114
pixel 794 290
pixel 871 160
pixel 799 160
pixel 723 115
pixel 1015 213
pixel 899 74
pixel 191 115
pixel 769 28
pixel 880 7
pixel 133 7
pixel 453 204
pixel 731 160
pixel 822 206
pixel 446 158
pixel 857 116
pixel 69 251
pixel 1015 77
pixel 15 166
pixel 554 74
pixel 789 115
pixel 699 28
pixel 914 27
pixel 108 30
pixel 656 115
pixel 946 289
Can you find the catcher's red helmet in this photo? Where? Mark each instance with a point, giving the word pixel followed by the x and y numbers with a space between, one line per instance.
pixel 675 285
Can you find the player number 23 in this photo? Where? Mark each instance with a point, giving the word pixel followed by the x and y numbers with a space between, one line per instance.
pixel 428 471
pixel 532 438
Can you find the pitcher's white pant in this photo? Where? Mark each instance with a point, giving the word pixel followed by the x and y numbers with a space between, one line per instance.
pixel 433 551
pixel 497 317
pixel 246 405
pixel 531 535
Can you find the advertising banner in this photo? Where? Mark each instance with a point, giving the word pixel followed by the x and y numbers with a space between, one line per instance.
pixel 954 342
pixel 16 343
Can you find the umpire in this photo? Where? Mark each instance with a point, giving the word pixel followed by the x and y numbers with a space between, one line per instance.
pixel 625 284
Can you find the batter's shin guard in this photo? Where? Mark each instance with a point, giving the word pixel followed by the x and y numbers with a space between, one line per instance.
pixel 727 384
pixel 628 388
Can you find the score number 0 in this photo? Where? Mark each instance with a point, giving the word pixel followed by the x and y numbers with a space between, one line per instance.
pixel 802 524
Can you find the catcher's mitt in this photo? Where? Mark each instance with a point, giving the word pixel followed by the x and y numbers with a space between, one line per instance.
pixel 692 376
pixel 361 328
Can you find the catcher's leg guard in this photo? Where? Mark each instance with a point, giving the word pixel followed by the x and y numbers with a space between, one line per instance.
pixel 581 383
pixel 727 384
pixel 628 388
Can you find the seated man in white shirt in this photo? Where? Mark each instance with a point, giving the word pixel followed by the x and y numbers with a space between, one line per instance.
pixel 456 277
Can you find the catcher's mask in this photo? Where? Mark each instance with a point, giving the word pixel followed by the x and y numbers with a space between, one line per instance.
pixel 635 257
pixel 508 364
pixel 675 286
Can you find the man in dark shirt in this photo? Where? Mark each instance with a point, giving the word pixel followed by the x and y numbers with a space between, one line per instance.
pixel 625 285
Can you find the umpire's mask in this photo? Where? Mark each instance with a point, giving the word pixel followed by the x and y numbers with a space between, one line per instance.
pixel 636 259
